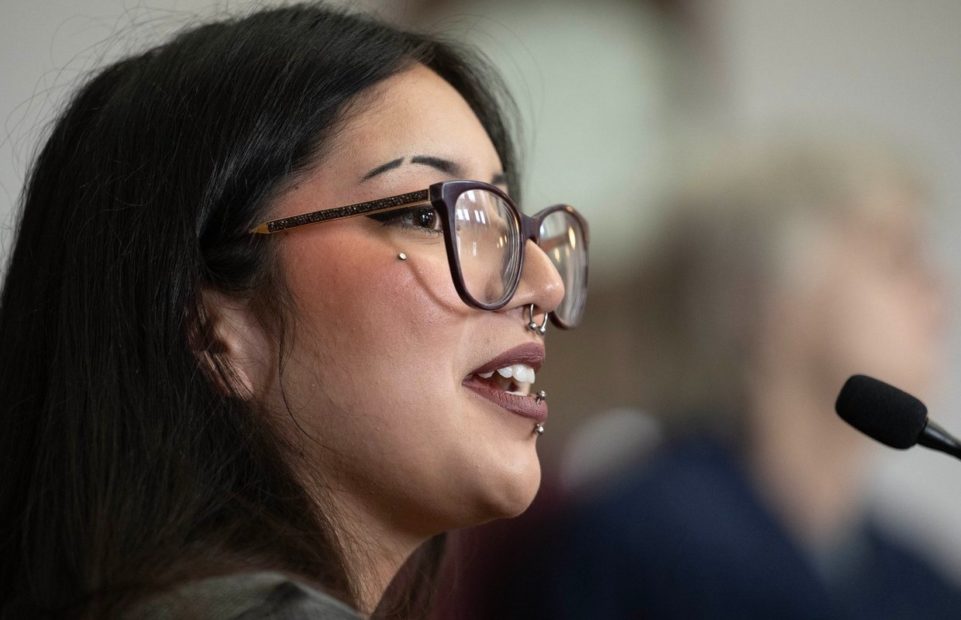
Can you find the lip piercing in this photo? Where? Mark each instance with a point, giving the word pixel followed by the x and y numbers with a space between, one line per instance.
pixel 541 396
pixel 402 256
pixel 539 429
pixel 532 325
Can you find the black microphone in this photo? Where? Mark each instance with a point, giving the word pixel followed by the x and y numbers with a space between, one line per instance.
pixel 891 416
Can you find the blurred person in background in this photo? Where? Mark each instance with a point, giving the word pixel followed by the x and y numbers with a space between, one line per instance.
pixel 779 272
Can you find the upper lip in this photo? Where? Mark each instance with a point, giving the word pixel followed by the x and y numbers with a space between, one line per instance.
pixel 529 353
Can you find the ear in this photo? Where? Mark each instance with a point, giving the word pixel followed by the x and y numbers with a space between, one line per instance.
pixel 230 345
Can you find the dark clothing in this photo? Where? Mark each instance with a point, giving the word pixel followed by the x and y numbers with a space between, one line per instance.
pixel 244 597
pixel 686 537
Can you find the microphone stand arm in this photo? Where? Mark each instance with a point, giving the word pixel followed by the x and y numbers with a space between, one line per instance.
pixel 936 438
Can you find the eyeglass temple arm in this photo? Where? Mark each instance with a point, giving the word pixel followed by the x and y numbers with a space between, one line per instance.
pixel 361 208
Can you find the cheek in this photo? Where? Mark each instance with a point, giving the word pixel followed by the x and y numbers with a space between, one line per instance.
pixel 879 325
pixel 373 324
pixel 375 375
pixel 372 370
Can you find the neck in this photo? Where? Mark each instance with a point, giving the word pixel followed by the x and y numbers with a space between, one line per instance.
pixel 374 550
pixel 808 465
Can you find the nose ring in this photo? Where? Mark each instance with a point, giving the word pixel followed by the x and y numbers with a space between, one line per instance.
pixel 532 324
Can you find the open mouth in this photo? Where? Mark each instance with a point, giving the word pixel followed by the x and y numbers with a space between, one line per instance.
pixel 508 381
pixel 515 379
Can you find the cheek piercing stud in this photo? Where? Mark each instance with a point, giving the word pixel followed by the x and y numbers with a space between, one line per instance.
pixel 539 429
pixel 541 396
pixel 532 324
pixel 401 256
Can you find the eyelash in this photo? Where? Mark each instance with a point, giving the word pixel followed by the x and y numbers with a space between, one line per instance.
pixel 408 218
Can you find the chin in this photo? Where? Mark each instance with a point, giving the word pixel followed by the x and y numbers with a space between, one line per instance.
pixel 513 495
pixel 501 495
pixel 916 377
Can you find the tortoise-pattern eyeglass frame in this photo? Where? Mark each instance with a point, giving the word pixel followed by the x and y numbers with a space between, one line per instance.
pixel 442 197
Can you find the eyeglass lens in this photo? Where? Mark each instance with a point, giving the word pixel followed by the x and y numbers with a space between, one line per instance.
pixel 487 241
pixel 562 239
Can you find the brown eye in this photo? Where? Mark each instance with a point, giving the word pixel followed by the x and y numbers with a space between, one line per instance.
pixel 424 219
pixel 427 218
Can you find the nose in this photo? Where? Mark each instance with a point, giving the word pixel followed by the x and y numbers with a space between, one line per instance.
pixel 540 282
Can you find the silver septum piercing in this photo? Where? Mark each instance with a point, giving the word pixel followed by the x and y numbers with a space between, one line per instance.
pixel 539 429
pixel 401 256
pixel 532 324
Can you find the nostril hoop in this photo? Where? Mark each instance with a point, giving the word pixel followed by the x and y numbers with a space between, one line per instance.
pixel 532 324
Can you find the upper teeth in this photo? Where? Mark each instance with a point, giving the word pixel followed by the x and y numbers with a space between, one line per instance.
pixel 521 373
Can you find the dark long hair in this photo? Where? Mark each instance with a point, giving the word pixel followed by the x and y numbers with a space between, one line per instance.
pixel 125 469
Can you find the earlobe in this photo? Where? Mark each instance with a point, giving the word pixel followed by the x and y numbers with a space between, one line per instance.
pixel 229 344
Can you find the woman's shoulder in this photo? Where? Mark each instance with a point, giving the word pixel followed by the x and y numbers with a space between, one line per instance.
pixel 244 597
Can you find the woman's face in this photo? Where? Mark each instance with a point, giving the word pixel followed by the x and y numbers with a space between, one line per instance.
pixel 381 347
pixel 877 307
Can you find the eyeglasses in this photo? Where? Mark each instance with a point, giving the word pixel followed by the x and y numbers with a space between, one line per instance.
pixel 485 235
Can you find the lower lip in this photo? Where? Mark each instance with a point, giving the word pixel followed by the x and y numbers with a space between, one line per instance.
pixel 525 406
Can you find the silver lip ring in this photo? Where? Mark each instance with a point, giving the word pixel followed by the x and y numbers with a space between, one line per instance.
pixel 538 429
pixel 532 324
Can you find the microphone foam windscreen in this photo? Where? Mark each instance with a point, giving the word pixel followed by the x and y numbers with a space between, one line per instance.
pixel 882 411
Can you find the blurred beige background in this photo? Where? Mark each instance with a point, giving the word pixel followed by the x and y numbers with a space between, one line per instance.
pixel 615 96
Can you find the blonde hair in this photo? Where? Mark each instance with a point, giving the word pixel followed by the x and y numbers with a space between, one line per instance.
pixel 734 232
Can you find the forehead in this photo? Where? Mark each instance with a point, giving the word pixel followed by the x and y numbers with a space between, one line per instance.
pixel 415 111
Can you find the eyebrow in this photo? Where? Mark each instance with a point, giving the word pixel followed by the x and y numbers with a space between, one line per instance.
pixel 444 165
pixel 383 168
